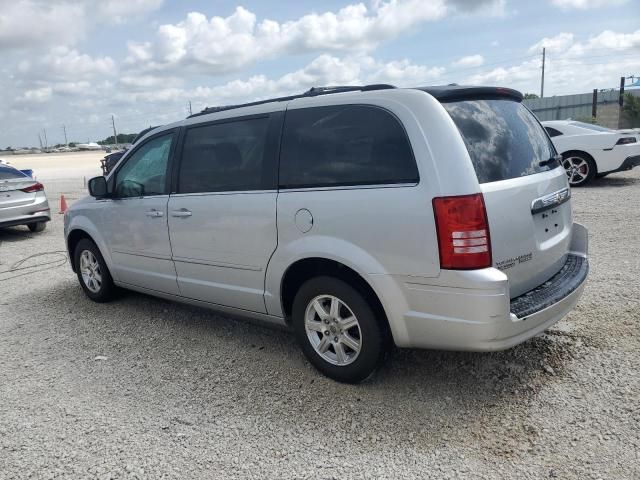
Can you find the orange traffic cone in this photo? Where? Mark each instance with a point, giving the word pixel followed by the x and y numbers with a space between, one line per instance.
pixel 63 204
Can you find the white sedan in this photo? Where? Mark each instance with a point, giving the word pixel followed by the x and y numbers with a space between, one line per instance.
pixel 591 150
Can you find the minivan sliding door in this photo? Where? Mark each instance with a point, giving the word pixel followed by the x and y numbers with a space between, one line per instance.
pixel 222 214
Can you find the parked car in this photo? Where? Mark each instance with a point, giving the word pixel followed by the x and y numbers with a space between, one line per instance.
pixel 359 217
pixel 590 151
pixel 22 200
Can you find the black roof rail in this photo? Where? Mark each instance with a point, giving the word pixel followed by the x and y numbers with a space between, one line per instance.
pixel 312 92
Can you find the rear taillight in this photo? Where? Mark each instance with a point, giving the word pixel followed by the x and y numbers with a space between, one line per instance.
pixel 626 140
pixel 463 232
pixel 36 187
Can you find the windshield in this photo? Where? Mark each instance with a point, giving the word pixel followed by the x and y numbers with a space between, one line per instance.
pixel 9 173
pixel 503 138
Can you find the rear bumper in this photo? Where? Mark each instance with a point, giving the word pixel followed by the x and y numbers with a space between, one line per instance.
pixel 38 211
pixel 478 315
pixel 627 164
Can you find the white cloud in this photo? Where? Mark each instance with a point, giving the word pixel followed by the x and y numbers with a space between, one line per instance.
pixel 27 23
pixel 556 44
pixel 37 95
pixel 571 66
pixel 469 61
pixel 586 4
pixel 120 11
pixel 224 44
pixel 67 65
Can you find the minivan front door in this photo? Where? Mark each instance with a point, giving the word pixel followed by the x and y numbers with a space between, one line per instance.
pixel 222 216
pixel 135 220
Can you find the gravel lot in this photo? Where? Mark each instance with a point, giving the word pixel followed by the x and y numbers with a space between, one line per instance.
pixel 145 388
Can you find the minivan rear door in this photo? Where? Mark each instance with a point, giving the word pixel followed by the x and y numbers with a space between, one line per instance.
pixel 526 192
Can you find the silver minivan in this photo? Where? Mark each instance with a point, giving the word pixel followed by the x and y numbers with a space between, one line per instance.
pixel 359 217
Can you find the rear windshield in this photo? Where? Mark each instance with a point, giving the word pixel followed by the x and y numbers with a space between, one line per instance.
pixel 503 138
pixel 9 173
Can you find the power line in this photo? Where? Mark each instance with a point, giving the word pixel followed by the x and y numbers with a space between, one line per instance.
pixel 542 78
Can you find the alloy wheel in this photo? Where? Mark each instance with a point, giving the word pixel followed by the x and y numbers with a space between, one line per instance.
pixel 333 330
pixel 90 270
pixel 577 169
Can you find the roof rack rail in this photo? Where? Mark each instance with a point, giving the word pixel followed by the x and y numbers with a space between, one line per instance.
pixel 312 92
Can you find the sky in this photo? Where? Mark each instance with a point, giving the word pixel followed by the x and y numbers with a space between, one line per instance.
pixel 75 63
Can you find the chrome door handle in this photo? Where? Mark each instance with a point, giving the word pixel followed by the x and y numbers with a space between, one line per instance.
pixel 154 213
pixel 183 212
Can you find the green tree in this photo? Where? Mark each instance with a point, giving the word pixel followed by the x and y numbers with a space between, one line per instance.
pixel 529 96
pixel 631 107
pixel 122 138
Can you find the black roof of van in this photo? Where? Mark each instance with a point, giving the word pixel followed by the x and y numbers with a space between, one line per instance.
pixel 443 93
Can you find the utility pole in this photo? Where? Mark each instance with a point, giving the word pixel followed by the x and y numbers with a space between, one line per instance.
pixel 46 142
pixel 64 129
pixel 115 134
pixel 542 79
pixel 190 112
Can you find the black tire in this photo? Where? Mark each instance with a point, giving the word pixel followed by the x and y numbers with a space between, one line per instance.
pixel 37 227
pixel 373 329
pixel 107 290
pixel 574 157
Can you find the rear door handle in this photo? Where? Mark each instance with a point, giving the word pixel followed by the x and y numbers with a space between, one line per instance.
pixel 154 213
pixel 183 212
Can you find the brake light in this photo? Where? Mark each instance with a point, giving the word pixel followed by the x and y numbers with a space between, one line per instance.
pixel 36 187
pixel 626 140
pixel 463 232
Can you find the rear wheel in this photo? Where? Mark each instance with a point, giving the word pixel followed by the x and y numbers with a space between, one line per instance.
pixel 92 271
pixel 580 168
pixel 37 227
pixel 338 330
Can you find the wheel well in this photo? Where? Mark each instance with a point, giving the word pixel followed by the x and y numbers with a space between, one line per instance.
pixel 72 240
pixel 303 270
pixel 584 154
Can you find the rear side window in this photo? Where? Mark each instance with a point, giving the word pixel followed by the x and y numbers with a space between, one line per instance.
pixel 9 173
pixel 344 145
pixel 553 132
pixel 503 138
pixel 226 156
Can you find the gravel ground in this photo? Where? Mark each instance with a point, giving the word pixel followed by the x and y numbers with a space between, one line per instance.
pixel 145 388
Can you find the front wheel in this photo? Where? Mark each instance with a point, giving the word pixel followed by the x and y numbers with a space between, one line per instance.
pixel 580 168
pixel 93 273
pixel 338 330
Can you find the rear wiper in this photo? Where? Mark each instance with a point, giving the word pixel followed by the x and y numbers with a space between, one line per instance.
pixel 555 159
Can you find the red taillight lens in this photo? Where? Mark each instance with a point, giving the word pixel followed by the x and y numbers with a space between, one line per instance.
pixel 463 232
pixel 36 187
pixel 626 140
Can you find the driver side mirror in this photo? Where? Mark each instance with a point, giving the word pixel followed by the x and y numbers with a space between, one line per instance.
pixel 98 187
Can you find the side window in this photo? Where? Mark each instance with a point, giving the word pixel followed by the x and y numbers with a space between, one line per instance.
pixel 145 171
pixel 553 132
pixel 344 145
pixel 226 156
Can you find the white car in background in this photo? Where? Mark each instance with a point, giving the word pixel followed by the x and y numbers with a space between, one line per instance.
pixel 590 151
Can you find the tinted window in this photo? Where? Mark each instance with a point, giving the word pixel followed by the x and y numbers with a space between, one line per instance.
pixel 145 171
pixel 8 173
pixel 503 138
pixel 344 145
pixel 553 132
pixel 225 157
